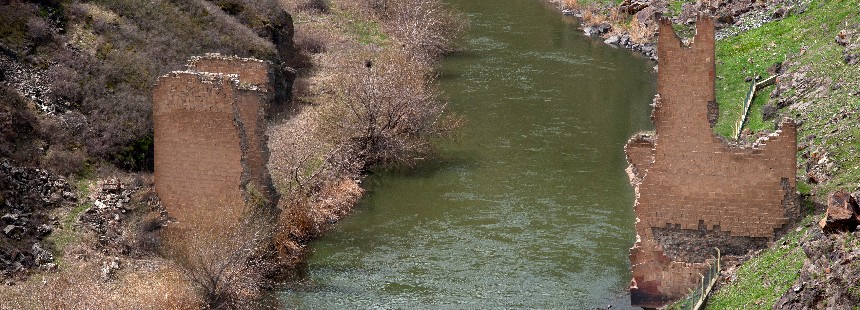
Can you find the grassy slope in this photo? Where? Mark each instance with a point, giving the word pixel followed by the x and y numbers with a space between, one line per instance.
pixel 748 55
pixel 764 278
pixel 767 276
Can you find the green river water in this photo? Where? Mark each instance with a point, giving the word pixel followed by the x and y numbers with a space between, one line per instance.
pixel 528 207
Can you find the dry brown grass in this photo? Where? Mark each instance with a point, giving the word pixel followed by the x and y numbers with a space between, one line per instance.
pixel 154 284
pixel 310 213
pixel 591 15
pixel 640 33
pixel 224 262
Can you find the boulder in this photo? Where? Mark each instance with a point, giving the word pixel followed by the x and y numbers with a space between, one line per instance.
pixel 596 30
pixel 10 230
pixel 842 38
pixel 613 40
pixel 633 6
pixel 778 14
pixel 842 214
pixel 646 15
pixel 603 28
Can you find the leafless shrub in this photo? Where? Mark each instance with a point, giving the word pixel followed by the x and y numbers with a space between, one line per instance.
pixel 65 162
pixel 19 128
pixel 39 31
pixel 223 261
pixel 310 210
pixel 426 28
pixel 384 110
pixel 312 40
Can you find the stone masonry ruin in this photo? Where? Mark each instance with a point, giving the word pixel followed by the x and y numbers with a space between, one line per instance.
pixel 694 191
pixel 210 143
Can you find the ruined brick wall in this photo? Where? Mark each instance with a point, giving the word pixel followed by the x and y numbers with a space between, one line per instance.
pixel 693 188
pixel 249 70
pixel 253 101
pixel 210 140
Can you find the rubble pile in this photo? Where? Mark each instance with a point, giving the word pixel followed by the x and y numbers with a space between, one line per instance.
pixel 111 217
pixel 27 195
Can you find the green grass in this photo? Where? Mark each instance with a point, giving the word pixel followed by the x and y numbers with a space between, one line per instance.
pixel 748 55
pixel 368 32
pixel 761 280
pixel 764 278
pixel 752 52
pixel 68 234
pixel 365 31
pixel 676 5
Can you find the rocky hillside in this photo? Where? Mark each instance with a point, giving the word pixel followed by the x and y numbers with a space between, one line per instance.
pixel 77 212
pixel 88 67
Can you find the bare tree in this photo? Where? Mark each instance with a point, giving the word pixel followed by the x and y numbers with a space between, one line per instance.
pixel 225 262
pixel 426 28
pixel 384 111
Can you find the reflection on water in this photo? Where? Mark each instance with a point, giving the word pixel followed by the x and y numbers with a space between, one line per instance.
pixel 528 208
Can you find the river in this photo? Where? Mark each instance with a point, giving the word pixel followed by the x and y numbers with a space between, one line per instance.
pixel 528 207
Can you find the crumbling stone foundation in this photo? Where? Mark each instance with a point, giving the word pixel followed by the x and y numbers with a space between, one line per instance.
pixel 694 191
pixel 210 143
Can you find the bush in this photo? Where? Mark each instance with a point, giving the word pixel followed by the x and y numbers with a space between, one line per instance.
pixel 385 110
pixel 65 162
pixel 426 28
pixel 231 7
pixel 312 40
pixel 39 31
pixel 19 129
pixel 224 262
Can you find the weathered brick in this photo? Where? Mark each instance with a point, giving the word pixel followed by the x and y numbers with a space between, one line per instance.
pixel 210 142
pixel 694 180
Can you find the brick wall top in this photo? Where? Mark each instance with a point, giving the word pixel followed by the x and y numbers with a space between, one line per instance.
pixel 250 71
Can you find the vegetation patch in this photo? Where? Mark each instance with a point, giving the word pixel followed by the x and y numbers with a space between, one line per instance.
pixel 760 281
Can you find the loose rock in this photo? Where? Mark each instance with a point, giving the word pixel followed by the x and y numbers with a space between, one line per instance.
pixel 843 214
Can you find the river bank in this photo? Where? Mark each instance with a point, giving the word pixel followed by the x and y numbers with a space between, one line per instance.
pixel 632 24
pixel 365 99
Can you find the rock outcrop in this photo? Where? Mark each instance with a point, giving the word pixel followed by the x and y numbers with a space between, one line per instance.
pixel 843 214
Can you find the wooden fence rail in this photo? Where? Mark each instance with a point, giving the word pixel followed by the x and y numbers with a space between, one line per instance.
pixel 754 87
